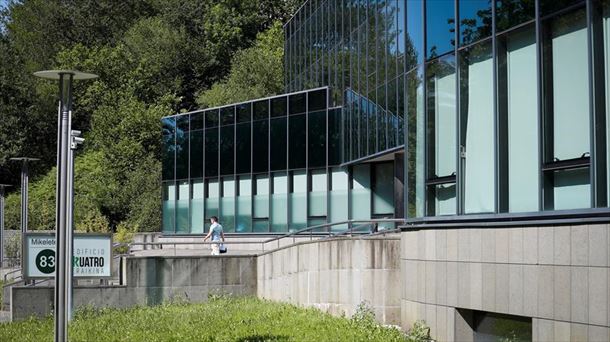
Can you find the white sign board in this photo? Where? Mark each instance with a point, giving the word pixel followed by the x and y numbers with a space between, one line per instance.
pixel 92 255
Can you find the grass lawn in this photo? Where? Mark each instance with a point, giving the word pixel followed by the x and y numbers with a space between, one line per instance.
pixel 222 319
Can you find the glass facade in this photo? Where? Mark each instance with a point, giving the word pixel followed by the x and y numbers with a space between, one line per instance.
pixel 493 107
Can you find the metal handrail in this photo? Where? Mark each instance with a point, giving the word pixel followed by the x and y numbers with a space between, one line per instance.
pixel 11 272
pixel 310 229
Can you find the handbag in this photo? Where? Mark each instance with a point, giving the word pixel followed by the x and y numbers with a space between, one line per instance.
pixel 222 248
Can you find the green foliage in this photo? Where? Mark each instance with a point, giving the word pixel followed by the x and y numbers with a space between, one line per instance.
pixel 256 72
pixel 419 332
pixel 123 235
pixel 222 319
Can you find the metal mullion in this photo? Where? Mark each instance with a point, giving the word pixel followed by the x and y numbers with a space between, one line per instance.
pixel 235 180
pixel 269 179
pixel 288 174
pixel 307 171
pixel 252 185
pixel 459 181
pixel 540 108
pixel 188 182
pixel 328 173
pixel 175 172
pixel 425 106
pixel 495 109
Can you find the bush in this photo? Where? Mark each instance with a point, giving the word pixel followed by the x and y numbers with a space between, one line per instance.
pixel 419 332
pixel 12 249
pixel 123 235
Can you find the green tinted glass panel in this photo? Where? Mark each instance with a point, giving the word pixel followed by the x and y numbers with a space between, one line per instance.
pixel 361 193
pixel 261 197
pixel 260 226
pixel 297 143
pixel 169 207
pixel 227 142
pixel 339 204
pixel 317 195
pixel 182 154
pixel 571 189
pixel 212 201
pixel 278 144
pixel 227 205
pixel 383 194
pixel 415 145
pixel 196 154
pixel 298 201
pixel 197 201
pixel 279 205
pixel 316 129
pixel 244 205
pixel 182 208
pixel 211 152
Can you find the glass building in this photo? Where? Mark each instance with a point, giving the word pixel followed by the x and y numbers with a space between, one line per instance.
pixel 416 109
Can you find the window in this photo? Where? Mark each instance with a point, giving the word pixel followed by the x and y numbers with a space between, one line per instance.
pixel 242 147
pixel 227 204
pixel 335 137
pixel 244 205
pixel 169 207
pixel 196 121
pixel 244 112
pixel 261 110
pixel 227 115
pixel 415 144
pixel 548 7
pixel 361 192
pixel 510 13
pixel 477 129
pixel 440 27
pixel 168 155
pixel 298 200
pixel 566 112
pixel 196 154
pixel 316 129
pixel 442 129
pixel 317 100
pixel 475 20
pixel 211 152
pixel 297 103
pixel 317 193
pixel 197 209
pixel 415 33
pixel 211 118
pixel 278 106
pixel 227 143
pixel 339 204
pixel 278 143
pixel 518 112
pixel 182 208
pixel 182 154
pixel 260 143
pixel 260 218
pixel 297 143
pixel 383 189
pixel 279 202
pixel 212 200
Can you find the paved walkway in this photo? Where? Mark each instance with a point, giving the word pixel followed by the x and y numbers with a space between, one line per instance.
pixel 189 252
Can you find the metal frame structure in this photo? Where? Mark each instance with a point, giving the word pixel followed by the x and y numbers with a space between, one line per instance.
pixel 2 190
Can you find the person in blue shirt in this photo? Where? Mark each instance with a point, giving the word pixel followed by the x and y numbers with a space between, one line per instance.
pixel 216 234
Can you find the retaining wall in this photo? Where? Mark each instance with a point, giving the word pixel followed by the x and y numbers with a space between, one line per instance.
pixel 335 275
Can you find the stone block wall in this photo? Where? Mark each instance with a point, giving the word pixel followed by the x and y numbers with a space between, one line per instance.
pixel 557 275
pixel 335 275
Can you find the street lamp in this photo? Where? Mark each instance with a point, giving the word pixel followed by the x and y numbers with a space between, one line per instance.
pixel 2 187
pixel 64 130
pixel 25 179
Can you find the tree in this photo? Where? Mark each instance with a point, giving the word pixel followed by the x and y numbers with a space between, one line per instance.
pixel 256 72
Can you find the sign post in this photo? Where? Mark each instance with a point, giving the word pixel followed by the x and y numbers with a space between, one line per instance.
pixel 64 128
pixel 25 177
pixel 2 187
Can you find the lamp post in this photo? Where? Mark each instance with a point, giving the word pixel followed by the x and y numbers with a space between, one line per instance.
pixel 25 177
pixel 65 77
pixel 2 187
pixel 75 140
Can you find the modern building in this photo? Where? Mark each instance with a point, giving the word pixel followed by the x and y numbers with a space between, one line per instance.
pixel 485 125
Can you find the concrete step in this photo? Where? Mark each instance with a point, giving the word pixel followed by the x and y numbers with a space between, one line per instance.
pixel 5 316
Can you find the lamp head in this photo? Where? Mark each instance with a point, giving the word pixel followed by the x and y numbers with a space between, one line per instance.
pixel 56 74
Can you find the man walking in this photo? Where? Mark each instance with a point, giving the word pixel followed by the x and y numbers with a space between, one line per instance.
pixel 216 234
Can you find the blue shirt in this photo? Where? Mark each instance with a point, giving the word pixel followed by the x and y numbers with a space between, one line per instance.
pixel 216 230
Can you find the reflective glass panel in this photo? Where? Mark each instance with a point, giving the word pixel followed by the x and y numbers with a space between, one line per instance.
pixel 182 208
pixel 242 148
pixel 334 136
pixel 440 27
pixel 168 156
pixel 477 131
pixel 519 104
pixel 383 189
pixel 279 106
pixel 243 222
pixel 227 215
pixel 260 143
pixel 415 145
pixel 261 110
pixel 278 144
pixel 317 138
pixel 415 33
pixel 261 196
pixel 317 194
pixel 567 86
pixel 244 112
pixel 227 143
pixel 212 201
pixel 510 13
pixel 339 204
pixel 197 202
pixel 571 189
pixel 196 121
pixel 475 20
pixel 211 118
pixel 548 7
pixel 361 192
pixel 279 203
pixel 297 103
pixel 169 207
pixel 317 100
pixel 296 144
pixel 196 152
pixel 182 154
pixel 227 115
pixel 298 200
pixel 211 152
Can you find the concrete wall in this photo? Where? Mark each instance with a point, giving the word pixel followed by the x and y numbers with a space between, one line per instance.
pixel 558 275
pixel 150 281
pixel 335 275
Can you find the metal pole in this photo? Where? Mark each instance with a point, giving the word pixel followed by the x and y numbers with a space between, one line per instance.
pixel 70 228
pixel 65 78
pixel 25 181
